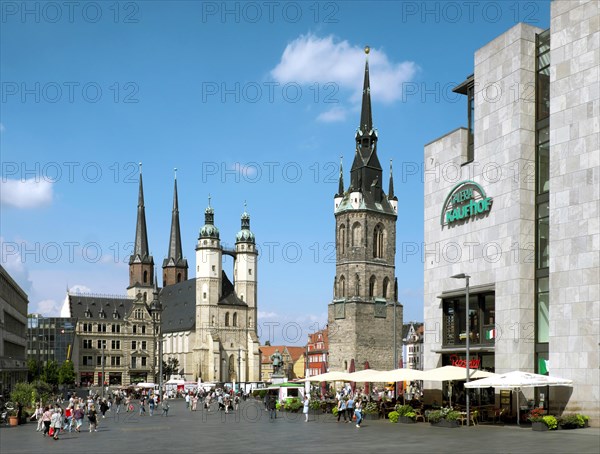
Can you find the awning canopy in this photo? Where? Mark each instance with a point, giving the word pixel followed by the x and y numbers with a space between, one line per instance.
pixel 329 376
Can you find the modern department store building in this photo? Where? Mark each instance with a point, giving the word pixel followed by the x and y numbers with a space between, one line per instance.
pixel 513 201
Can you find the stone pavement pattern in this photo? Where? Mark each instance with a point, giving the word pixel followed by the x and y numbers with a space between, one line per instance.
pixel 250 430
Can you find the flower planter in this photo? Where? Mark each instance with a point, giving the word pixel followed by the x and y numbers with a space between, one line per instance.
pixel 13 421
pixel 406 420
pixel 371 416
pixel 445 423
pixel 539 426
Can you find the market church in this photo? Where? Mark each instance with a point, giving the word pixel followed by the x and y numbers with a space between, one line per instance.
pixel 208 322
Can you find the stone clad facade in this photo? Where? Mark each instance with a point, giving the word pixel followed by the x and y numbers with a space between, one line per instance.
pixel 532 147
pixel 575 203
pixel 361 316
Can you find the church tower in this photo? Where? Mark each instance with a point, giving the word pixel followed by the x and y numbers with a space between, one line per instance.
pixel 209 256
pixel 175 266
pixel 141 263
pixel 245 271
pixel 361 315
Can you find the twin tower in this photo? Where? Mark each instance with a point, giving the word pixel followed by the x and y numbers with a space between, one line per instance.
pixel 208 323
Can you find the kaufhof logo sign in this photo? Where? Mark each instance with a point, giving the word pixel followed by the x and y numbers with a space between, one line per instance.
pixel 466 200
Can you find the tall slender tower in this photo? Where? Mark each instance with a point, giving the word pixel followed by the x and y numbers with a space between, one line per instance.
pixel 245 271
pixel 141 263
pixel 175 266
pixel 208 293
pixel 361 315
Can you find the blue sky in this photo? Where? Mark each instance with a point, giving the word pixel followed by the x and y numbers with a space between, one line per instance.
pixel 251 101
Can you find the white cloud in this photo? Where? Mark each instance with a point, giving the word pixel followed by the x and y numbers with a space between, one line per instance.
pixel 267 315
pixel 25 193
pixel 48 308
pixel 332 115
pixel 65 310
pixel 309 59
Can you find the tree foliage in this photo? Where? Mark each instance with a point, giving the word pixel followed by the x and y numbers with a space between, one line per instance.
pixel 170 367
pixel 50 373
pixel 66 373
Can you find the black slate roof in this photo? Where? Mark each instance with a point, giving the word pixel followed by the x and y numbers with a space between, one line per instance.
pixel 228 296
pixel 92 307
pixel 179 306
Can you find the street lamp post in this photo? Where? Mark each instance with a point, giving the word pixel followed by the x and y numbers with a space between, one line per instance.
pixel 240 369
pixel 466 277
pixel 103 363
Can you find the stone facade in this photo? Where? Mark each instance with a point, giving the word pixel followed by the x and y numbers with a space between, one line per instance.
pixel 498 249
pixel 575 204
pixel 365 312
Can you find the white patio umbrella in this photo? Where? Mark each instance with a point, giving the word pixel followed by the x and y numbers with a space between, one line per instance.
pixel 402 374
pixel 328 376
pixel 453 373
pixel 367 375
pixel 517 380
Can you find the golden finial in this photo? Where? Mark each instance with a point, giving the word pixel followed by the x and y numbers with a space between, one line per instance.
pixel 367 50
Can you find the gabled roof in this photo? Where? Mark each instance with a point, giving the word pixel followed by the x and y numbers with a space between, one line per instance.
pixel 228 296
pixel 296 352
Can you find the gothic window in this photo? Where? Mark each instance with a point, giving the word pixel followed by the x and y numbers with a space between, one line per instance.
pixel 213 321
pixel 386 283
pixel 356 285
pixel 178 277
pixel 372 286
pixel 250 322
pixel 145 277
pixel 356 234
pixel 227 319
pixel 378 242
pixel 235 319
pixel 342 239
pixel 342 288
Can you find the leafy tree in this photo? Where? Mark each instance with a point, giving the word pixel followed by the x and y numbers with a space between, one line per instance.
pixel 50 373
pixel 32 369
pixel 66 373
pixel 171 367
pixel 30 393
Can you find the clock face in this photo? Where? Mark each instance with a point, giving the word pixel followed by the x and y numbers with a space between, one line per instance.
pixel 339 310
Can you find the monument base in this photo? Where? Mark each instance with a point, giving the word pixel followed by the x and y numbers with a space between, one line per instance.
pixel 278 379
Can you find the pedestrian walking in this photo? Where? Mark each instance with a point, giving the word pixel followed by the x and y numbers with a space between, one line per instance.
pixel 165 408
pixel 151 406
pixel 272 407
pixel 46 418
pixel 350 408
pixel 93 418
pixel 56 422
pixel 358 412
pixel 39 412
pixel 78 416
pixel 341 409
pixel 305 409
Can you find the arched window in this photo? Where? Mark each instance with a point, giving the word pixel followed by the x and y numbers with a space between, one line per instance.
pixel 178 277
pixel 342 239
pixel 213 321
pixel 235 319
pixel 356 285
pixel 145 276
pixel 342 287
pixel 250 322
pixel 386 283
pixel 164 279
pixel 226 318
pixel 345 365
pixel 372 286
pixel 356 234
pixel 378 242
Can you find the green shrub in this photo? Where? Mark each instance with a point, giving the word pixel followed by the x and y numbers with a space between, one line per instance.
pixel 445 413
pixel 551 422
pixel 371 408
pixel 278 406
pixel 404 409
pixel 435 416
pixel 393 416
pixel 536 415
pixel 571 421
pixel 315 405
pixel 452 416
pixel 293 404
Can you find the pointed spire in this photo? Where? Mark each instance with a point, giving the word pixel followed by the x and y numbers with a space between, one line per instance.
pixel 391 195
pixel 175 252
pixel 341 183
pixel 366 120
pixel 245 234
pixel 209 230
pixel 140 250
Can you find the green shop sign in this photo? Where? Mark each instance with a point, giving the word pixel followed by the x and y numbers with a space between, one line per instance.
pixel 466 199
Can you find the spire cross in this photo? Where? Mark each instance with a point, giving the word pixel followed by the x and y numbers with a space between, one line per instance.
pixel 140 167
pixel 209 200
pixel 244 205
pixel 175 171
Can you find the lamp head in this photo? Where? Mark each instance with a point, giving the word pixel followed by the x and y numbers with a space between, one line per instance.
pixel 460 276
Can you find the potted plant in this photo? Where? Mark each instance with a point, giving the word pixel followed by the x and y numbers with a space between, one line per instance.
pixel 293 404
pixel 536 417
pixel 406 414
pixel 572 421
pixel 445 417
pixel 13 420
pixel 393 417
pixel 371 410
